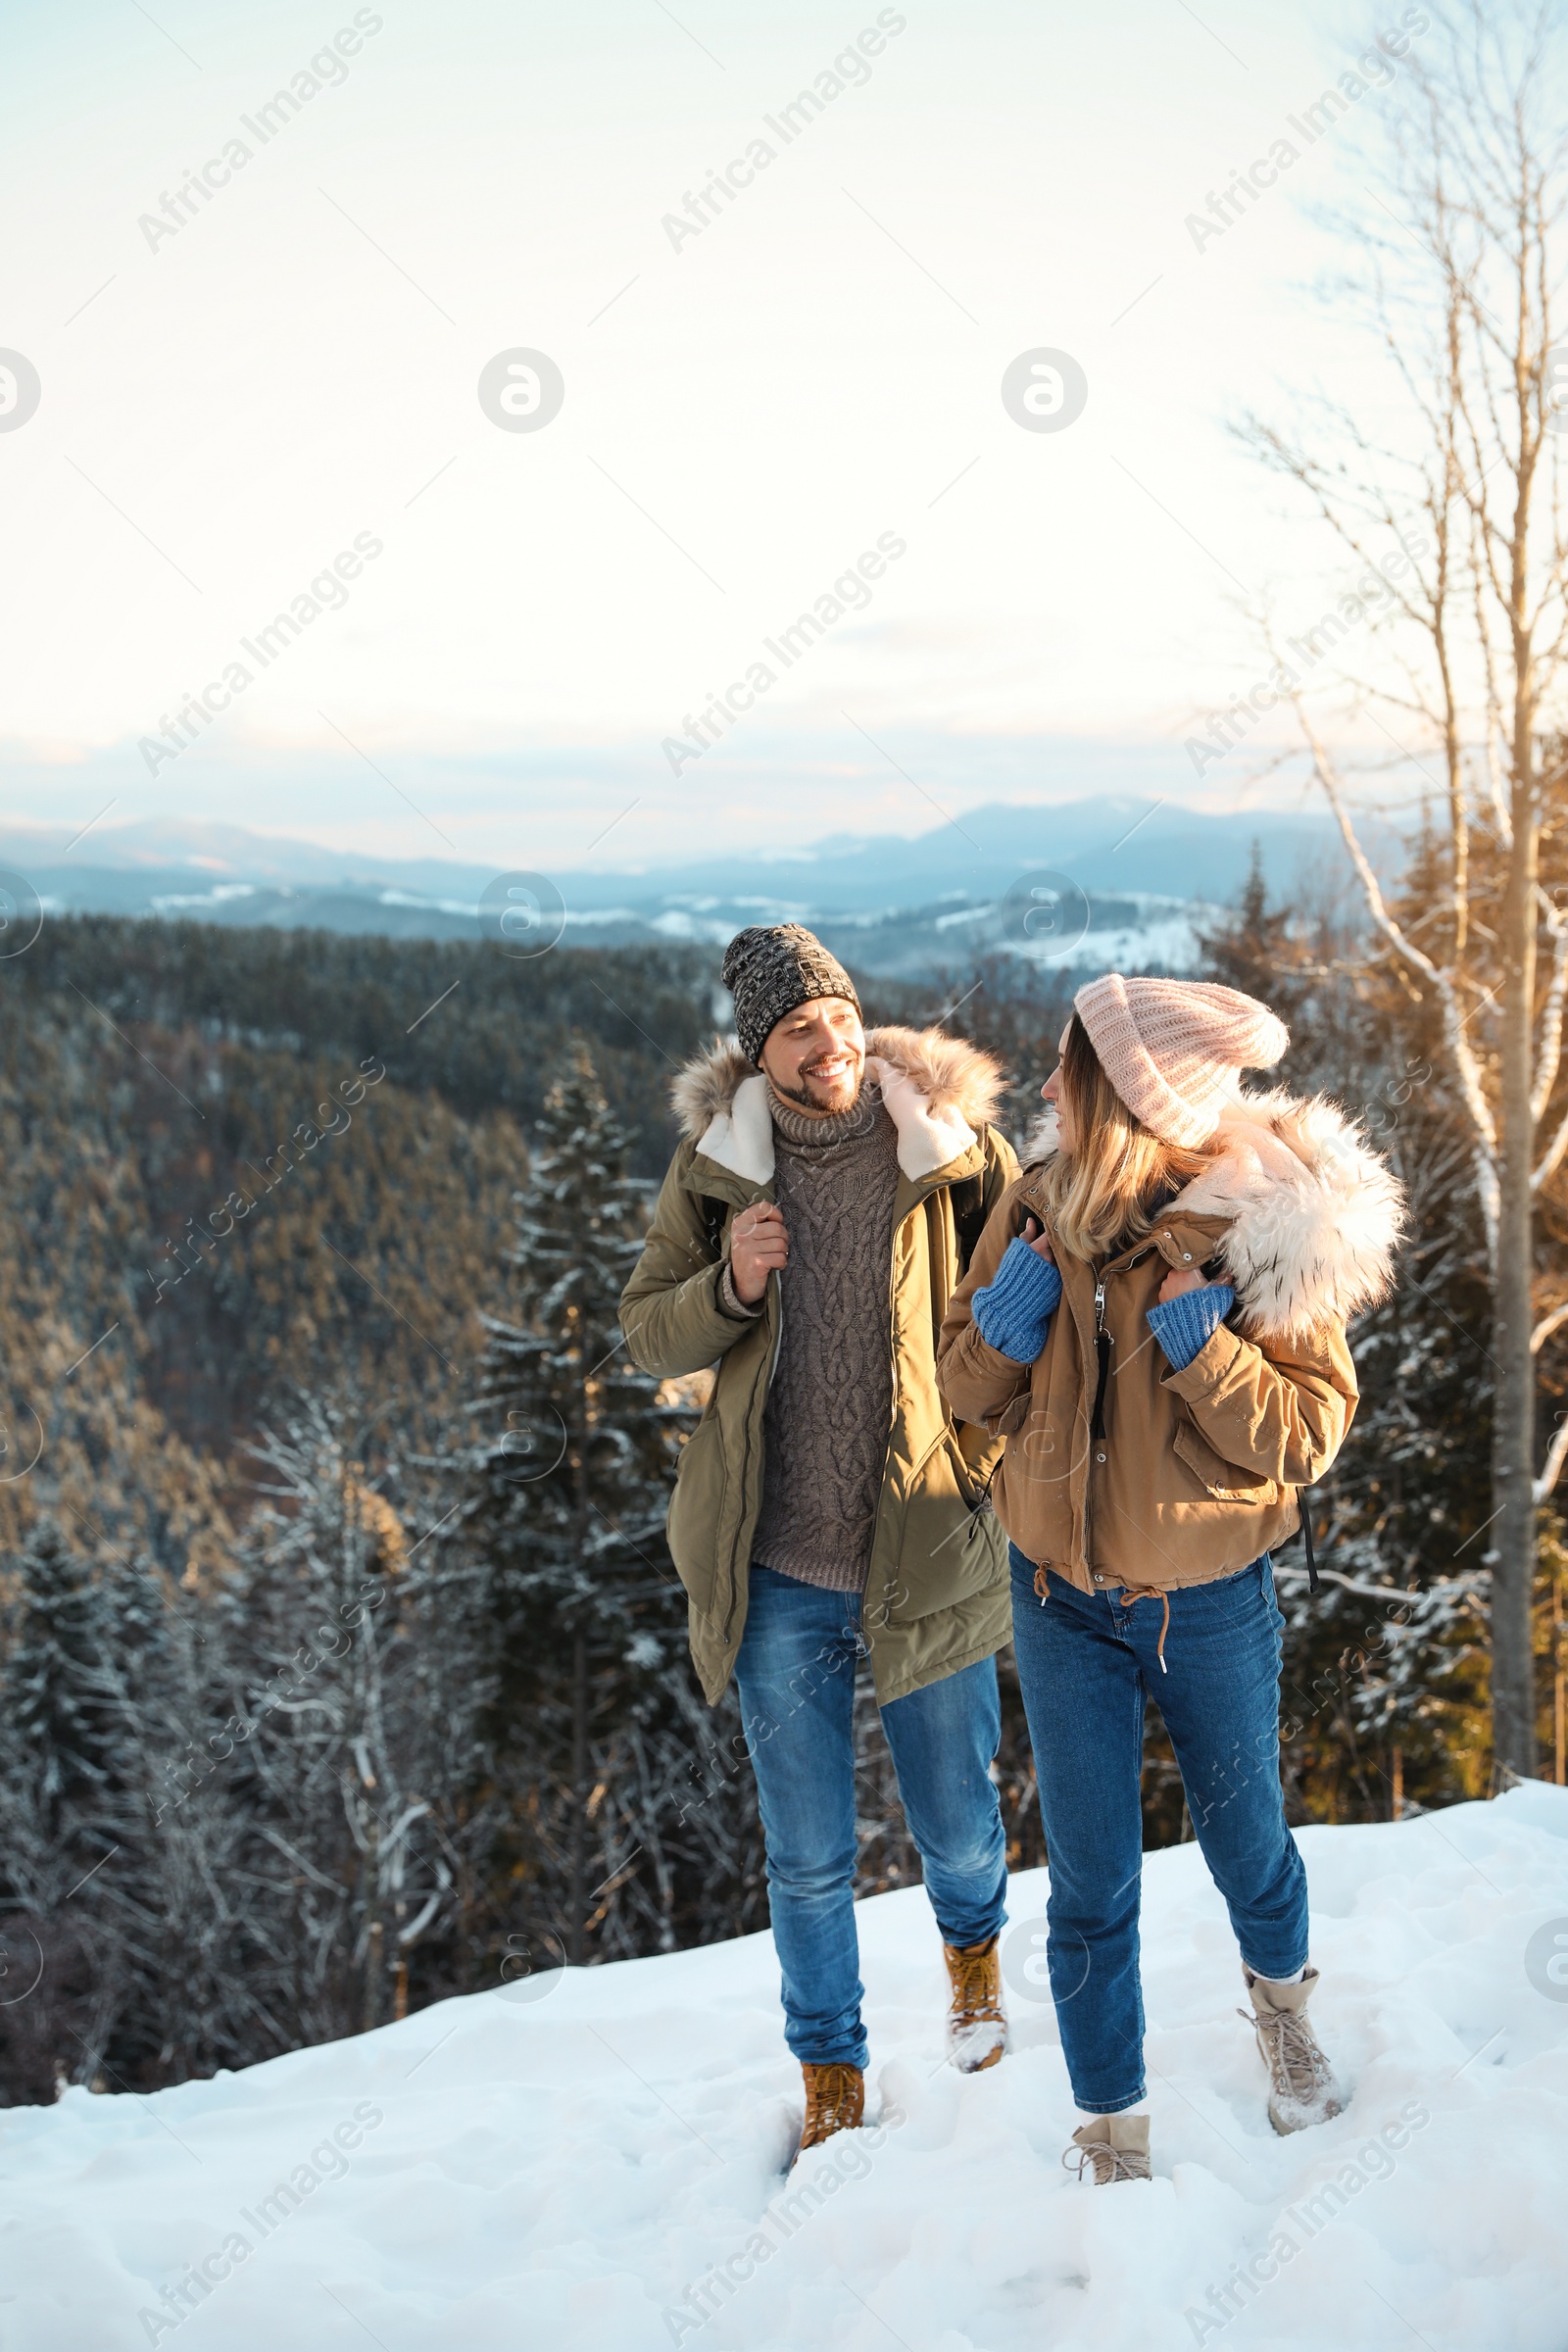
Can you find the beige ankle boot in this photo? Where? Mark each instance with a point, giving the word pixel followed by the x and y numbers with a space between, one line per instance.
pixel 1301 2087
pixel 977 2030
pixel 1115 2145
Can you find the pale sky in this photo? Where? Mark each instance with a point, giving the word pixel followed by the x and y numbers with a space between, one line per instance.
pixel 228 407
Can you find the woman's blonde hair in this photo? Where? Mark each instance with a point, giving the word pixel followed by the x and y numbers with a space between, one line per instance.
pixel 1104 1192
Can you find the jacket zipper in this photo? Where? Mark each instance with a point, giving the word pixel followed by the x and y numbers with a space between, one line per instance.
pixel 1096 1423
pixel 745 1453
pixel 892 1412
pixel 1097 1426
pixel 892 1367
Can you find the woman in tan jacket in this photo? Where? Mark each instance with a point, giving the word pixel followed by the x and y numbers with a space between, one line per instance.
pixel 1156 1322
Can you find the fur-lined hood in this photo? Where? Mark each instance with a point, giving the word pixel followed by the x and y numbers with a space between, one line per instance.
pixel 939 1092
pixel 1312 1213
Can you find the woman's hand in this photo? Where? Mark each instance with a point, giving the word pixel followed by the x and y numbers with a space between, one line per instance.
pixel 1174 1285
pixel 1037 1241
pixel 757 1243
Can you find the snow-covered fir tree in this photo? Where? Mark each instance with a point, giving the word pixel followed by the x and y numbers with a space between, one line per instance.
pixel 63 1740
pixel 94 1687
pixel 354 1687
pixel 629 1833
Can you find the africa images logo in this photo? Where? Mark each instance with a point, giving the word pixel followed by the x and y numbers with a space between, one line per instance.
pixel 325 71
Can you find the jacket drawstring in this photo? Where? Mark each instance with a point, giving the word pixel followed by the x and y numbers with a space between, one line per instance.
pixel 1129 1593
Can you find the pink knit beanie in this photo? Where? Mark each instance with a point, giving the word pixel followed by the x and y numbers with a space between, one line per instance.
pixel 1175 1050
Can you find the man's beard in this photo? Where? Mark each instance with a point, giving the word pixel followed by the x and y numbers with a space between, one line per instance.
pixel 802 1096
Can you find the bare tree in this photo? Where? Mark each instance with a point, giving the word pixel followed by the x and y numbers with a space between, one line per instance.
pixel 358 1757
pixel 1459 514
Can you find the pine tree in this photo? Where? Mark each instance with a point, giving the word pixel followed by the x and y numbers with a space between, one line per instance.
pixel 356 1683
pixel 1254 947
pixel 1384 1684
pixel 60 1725
pixel 77 1875
pixel 165 1899
pixel 568 1482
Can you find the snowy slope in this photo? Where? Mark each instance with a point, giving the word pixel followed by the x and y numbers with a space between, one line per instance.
pixel 591 2162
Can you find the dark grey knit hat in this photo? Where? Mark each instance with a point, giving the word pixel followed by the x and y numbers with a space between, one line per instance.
pixel 772 968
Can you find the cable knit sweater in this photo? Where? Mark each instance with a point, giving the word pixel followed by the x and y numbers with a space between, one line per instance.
pixel 830 1404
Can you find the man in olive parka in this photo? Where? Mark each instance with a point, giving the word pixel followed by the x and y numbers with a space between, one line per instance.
pixel 813 1224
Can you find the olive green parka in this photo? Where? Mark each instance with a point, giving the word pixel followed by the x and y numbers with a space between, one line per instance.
pixel 936 1596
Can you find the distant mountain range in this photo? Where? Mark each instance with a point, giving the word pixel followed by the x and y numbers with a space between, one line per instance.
pixel 1106 881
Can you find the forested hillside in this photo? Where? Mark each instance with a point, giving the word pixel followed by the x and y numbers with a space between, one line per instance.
pixel 343 1665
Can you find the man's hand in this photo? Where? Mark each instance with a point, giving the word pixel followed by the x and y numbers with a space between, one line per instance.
pixel 1035 1236
pixel 1174 1285
pixel 757 1243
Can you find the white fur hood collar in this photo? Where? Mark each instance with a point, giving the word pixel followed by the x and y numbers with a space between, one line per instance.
pixel 939 1092
pixel 1312 1213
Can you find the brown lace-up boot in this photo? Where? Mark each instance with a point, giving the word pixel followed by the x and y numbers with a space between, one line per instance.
pixel 835 2101
pixel 1115 2147
pixel 977 2030
pixel 1301 2085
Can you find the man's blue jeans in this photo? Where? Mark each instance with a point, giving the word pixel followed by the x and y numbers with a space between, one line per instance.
pixel 796 1672
pixel 1087 1663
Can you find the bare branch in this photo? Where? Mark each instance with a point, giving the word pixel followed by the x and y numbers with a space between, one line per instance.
pixel 1551 1159
pixel 1549 1052
pixel 1547 1326
pixel 1551 1467
pixel 1438 979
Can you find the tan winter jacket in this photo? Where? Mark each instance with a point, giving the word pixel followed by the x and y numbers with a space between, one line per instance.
pixel 935 1597
pixel 1192 1474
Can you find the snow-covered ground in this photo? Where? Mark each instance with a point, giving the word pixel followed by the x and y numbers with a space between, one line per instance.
pixel 593 2162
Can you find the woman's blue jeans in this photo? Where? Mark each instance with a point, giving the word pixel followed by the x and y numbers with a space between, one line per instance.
pixel 1087 1664
pixel 796 1672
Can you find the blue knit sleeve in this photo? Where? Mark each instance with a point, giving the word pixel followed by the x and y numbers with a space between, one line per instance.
pixel 1013 1310
pixel 1183 1326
